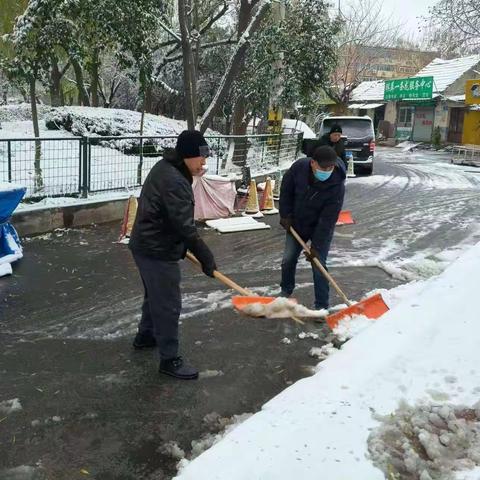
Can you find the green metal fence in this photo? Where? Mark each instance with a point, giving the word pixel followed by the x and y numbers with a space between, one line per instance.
pixel 78 166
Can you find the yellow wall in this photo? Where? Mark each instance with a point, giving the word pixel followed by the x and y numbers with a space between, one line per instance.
pixel 471 128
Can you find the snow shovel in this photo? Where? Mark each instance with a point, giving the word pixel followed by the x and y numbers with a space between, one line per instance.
pixel 247 298
pixel 371 307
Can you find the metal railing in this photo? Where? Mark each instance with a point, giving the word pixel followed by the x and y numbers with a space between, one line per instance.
pixel 466 155
pixel 79 166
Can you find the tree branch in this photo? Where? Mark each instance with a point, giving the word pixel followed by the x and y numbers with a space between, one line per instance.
pixel 213 19
pixel 235 64
pixel 170 31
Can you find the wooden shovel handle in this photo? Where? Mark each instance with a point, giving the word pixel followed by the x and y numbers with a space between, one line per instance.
pixel 224 279
pixel 319 265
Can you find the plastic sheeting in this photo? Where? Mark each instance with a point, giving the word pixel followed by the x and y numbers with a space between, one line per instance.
pixel 214 197
pixel 10 246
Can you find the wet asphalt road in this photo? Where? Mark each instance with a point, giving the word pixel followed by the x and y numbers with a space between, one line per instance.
pixel 92 404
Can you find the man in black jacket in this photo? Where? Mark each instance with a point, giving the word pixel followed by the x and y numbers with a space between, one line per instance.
pixel 164 229
pixel 311 198
pixel 334 139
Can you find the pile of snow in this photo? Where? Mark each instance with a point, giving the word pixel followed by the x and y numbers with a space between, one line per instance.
pixel 323 352
pixel 431 440
pixel 281 308
pixel 336 424
pixel 9 406
pixel 172 450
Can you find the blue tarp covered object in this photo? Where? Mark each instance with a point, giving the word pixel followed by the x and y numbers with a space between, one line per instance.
pixel 10 247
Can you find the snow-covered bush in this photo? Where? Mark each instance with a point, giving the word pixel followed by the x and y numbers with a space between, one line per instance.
pixel 20 112
pixel 105 122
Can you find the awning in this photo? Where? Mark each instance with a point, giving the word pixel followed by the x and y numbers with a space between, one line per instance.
pixel 364 106
pixel 456 98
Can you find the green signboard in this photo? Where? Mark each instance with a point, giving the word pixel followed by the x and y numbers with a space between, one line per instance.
pixel 408 88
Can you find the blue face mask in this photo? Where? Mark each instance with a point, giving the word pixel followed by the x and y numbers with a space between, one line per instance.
pixel 322 176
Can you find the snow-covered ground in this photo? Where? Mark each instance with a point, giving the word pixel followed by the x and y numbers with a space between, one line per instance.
pixel 400 400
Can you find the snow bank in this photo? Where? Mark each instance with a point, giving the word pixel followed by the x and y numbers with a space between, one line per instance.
pixel 423 352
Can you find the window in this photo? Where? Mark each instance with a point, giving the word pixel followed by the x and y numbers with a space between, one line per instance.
pixel 405 116
pixel 352 127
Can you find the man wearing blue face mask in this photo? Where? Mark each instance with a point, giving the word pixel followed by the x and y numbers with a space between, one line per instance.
pixel 311 198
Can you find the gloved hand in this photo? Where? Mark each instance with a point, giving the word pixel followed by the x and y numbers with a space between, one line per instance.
pixel 286 223
pixel 204 255
pixel 310 256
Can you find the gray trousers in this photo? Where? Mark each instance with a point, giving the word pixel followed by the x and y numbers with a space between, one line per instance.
pixel 162 302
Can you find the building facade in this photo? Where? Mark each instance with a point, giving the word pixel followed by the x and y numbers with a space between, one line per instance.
pixel 444 115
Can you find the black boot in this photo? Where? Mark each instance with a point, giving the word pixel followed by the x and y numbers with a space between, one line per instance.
pixel 175 368
pixel 144 340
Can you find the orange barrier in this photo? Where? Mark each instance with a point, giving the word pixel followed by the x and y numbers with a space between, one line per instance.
pixel 345 218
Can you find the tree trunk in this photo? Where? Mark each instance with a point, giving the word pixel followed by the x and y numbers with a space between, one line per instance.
pixel 94 67
pixel 148 102
pixel 113 91
pixel 188 67
pixel 55 83
pixel 144 87
pixel 38 178
pixel 83 98
pixel 239 125
pixel 235 66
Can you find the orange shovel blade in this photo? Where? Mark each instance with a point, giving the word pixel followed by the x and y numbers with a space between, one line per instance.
pixel 241 302
pixel 372 307
pixel 345 218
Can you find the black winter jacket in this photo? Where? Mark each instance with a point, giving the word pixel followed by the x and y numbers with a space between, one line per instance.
pixel 339 146
pixel 313 205
pixel 164 226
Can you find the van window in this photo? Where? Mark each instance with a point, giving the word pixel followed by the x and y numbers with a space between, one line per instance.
pixel 352 127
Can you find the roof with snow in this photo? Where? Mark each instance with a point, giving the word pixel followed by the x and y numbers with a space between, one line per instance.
pixel 445 73
pixel 368 92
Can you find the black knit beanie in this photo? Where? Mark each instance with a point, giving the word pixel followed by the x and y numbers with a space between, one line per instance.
pixel 191 143
pixel 336 128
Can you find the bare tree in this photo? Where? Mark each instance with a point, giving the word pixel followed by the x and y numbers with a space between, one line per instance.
pixel 190 46
pixel 453 27
pixel 366 30
pixel 236 64
pixel 189 36
pixel 111 78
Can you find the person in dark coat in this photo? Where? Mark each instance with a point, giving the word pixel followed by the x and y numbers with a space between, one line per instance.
pixel 164 229
pixel 311 198
pixel 334 139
